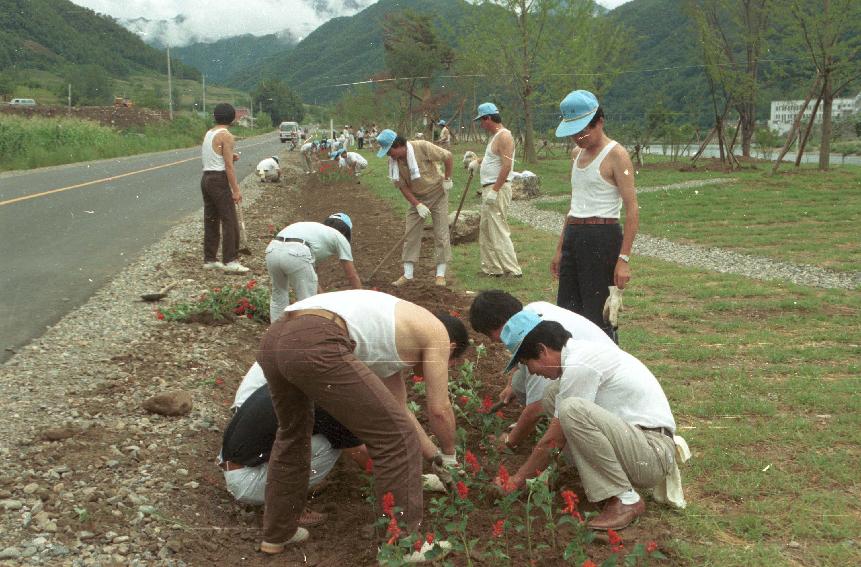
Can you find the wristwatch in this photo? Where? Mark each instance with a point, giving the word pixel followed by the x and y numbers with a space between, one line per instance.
pixel 625 258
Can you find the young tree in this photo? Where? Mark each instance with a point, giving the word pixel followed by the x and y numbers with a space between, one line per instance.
pixel 278 101
pixel 91 85
pixel 539 50
pixel 733 34
pixel 828 33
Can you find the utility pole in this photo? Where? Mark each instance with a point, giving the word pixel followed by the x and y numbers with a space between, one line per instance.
pixel 70 97
pixel 169 86
pixel 204 95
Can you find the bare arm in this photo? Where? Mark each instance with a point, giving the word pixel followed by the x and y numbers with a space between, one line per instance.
pixel 225 141
pixel 505 149
pixel 623 175
pixel 395 384
pixel 525 423
pixel 554 438
pixel 351 273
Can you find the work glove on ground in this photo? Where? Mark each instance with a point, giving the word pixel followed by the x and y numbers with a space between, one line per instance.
pixel 490 195
pixel 422 210
pixel 440 466
pixel 613 305
pixel 447 184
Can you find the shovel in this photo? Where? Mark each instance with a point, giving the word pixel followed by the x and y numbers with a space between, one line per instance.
pixel 243 237
pixel 161 294
pixel 460 206
pixel 397 245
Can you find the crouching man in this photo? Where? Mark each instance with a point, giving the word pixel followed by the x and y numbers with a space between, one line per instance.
pixel 249 437
pixel 269 169
pixel 608 408
pixel 344 352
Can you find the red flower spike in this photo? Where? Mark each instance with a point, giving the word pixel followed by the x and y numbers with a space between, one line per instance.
pixel 388 503
pixel 472 462
pixel 394 531
pixel 570 502
pixel 251 284
pixel 418 544
pixel 486 404
pixel 503 475
pixel 462 489
pixel 651 547
pixel 417 378
pixel 463 400
pixel 589 563
pixel 429 537
pixel 454 313
pixel 250 316
pixel 499 528
pixel 159 315
pixel 369 466
pixel 614 537
pixel 219 381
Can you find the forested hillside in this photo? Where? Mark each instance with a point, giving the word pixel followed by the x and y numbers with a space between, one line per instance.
pixel 54 34
pixel 226 57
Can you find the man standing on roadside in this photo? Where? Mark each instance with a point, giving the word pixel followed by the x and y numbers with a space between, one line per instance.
pixel 494 236
pixel 444 139
pixel 413 169
pixel 592 253
pixel 344 351
pixel 220 194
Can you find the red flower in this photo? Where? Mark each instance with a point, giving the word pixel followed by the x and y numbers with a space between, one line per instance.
pixel 454 313
pixel 463 400
pixel 388 503
pixel 651 547
pixel 216 289
pixel 417 378
pixel 250 316
pixel 472 462
pixel 159 315
pixel 570 502
pixel 393 530
pixel 251 284
pixel 498 528
pixel 589 563
pixel 486 404
pixel 616 544
pixel 429 537
pixel 500 414
pixel 503 475
pixel 418 544
pixel 219 381
pixel 462 489
pixel 369 466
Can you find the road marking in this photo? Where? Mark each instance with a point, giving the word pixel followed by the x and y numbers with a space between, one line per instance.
pixel 103 180
pixel 106 179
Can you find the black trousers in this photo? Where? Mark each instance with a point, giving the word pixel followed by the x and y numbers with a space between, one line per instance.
pixel 589 256
pixel 219 218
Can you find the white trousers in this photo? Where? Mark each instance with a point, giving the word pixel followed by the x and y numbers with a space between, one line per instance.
pixel 290 264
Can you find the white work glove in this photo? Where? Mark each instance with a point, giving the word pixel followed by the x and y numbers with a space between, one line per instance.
pixel 447 184
pixel 432 483
pixel 422 210
pixel 490 195
pixel 440 464
pixel 612 306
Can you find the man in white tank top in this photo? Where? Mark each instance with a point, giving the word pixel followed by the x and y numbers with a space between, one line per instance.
pixel 593 253
pixel 494 235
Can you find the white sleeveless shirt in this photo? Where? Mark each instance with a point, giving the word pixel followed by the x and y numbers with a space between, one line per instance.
pixel 370 319
pixel 491 164
pixel 591 194
pixel 211 160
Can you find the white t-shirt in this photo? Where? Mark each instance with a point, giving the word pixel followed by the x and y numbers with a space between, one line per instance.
pixel 268 165
pixel 531 385
pixel 253 379
pixel 616 381
pixel 307 147
pixel 353 157
pixel 370 319
pixel 323 240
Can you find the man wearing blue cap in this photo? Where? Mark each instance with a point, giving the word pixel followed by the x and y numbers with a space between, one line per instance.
pixel 592 255
pixel 413 168
pixel 444 139
pixel 494 236
pixel 291 257
pixel 609 413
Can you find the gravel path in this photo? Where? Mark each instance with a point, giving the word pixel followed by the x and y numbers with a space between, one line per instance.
pixel 709 258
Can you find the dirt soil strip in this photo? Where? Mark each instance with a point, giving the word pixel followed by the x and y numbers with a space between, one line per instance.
pixel 92 478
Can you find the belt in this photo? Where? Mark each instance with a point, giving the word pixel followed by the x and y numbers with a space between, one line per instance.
pixel 285 239
pixel 483 185
pixel 230 466
pixel 661 430
pixel 324 313
pixel 591 220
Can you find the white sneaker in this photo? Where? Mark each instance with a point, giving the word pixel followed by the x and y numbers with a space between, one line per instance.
pixel 420 557
pixel 235 267
pixel 212 265
pixel 276 548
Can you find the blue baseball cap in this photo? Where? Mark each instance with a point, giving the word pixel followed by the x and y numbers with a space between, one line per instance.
pixel 485 109
pixel 344 218
pixel 385 138
pixel 441 123
pixel 578 109
pixel 515 330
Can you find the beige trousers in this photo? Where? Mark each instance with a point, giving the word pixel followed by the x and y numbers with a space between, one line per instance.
pixel 494 235
pixel 437 202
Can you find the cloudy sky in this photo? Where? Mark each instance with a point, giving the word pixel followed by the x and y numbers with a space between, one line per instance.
pixel 207 20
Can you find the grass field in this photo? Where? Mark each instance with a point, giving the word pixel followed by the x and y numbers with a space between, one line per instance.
pixel 763 377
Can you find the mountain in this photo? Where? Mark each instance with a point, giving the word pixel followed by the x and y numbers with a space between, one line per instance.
pixel 226 57
pixel 52 34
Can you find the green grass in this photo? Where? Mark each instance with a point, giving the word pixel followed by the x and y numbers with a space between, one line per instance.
pixel 764 377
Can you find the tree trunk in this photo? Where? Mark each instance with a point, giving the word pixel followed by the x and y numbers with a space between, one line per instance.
pixel 825 143
pixel 795 124
pixel 803 137
pixel 747 121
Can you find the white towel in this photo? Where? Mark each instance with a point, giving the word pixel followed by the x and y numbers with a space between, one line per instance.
pixel 670 490
pixel 412 165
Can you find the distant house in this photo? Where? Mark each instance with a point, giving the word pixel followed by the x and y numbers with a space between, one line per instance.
pixel 243 116
pixel 783 111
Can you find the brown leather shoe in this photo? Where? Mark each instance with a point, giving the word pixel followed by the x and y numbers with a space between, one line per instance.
pixel 616 515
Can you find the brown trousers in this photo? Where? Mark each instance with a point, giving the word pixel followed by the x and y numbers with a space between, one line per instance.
pixel 308 360
pixel 219 217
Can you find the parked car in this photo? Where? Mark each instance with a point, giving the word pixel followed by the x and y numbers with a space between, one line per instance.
pixel 288 131
pixel 22 102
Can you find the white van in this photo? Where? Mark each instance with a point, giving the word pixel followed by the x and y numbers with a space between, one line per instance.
pixel 22 102
pixel 288 131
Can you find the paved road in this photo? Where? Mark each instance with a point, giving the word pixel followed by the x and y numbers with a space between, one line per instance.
pixel 64 231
